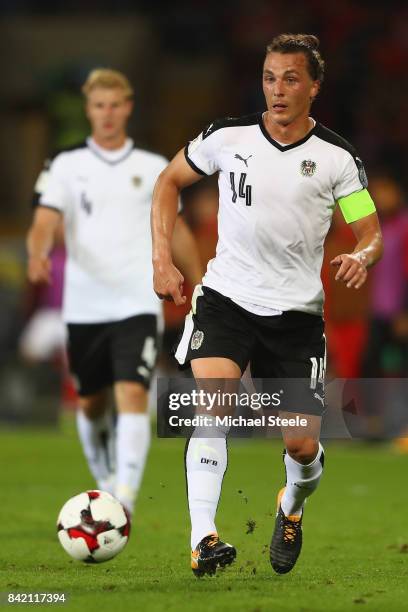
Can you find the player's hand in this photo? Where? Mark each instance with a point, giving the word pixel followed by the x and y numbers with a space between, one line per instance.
pixel 351 270
pixel 168 283
pixel 39 270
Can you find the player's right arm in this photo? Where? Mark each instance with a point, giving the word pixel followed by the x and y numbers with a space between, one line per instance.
pixel 40 240
pixel 51 197
pixel 167 280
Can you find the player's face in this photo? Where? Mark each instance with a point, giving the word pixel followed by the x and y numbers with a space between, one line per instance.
pixel 288 87
pixel 108 111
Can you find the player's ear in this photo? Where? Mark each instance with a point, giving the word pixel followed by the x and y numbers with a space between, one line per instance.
pixel 314 90
pixel 130 105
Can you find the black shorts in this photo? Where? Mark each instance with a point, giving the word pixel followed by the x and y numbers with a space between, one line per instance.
pixel 103 353
pixel 288 346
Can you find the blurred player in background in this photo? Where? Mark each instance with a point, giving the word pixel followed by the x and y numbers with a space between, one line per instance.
pixel 103 189
pixel 389 285
pixel 386 351
pixel 280 175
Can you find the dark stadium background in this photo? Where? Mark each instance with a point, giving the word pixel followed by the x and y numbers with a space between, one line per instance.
pixel 191 62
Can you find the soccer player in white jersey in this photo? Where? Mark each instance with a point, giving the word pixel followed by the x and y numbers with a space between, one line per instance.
pixel 103 189
pixel 280 174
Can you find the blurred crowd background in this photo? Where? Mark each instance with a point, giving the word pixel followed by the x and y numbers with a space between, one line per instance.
pixel 191 62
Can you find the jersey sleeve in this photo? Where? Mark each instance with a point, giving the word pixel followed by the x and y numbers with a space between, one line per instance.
pixel 51 187
pixel 351 190
pixel 40 184
pixel 202 153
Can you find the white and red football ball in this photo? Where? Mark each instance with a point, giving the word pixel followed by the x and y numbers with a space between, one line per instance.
pixel 93 527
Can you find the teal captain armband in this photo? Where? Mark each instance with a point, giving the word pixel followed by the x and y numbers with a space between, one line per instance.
pixel 356 205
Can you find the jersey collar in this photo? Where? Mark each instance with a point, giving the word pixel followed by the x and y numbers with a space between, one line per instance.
pixel 279 146
pixel 109 157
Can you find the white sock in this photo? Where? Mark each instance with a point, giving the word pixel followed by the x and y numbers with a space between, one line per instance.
pixel 132 445
pixel 206 462
pixel 97 439
pixel 301 481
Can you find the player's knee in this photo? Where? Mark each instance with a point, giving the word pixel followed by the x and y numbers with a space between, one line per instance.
pixel 302 450
pixel 130 397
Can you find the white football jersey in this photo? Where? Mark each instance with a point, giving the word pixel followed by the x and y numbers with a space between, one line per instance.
pixel 276 205
pixel 105 197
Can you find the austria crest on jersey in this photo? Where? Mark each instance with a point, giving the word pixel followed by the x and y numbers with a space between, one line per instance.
pixel 308 167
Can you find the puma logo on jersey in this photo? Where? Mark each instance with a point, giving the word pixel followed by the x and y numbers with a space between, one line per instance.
pixel 238 156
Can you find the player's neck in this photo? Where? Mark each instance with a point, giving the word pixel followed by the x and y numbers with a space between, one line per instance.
pixel 110 144
pixel 288 134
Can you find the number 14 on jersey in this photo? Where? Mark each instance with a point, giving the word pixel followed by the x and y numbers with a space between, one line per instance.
pixel 244 191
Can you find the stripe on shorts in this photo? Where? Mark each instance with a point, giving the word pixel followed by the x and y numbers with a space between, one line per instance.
pixel 182 348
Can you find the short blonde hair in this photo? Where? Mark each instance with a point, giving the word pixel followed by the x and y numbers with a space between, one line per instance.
pixel 106 78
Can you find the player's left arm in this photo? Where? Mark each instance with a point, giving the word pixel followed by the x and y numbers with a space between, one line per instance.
pixel 352 267
pixel 167 279
pixel 185 253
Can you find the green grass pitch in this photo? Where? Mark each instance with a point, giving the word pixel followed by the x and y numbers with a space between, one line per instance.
pixel 355 531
